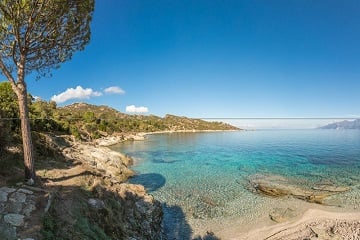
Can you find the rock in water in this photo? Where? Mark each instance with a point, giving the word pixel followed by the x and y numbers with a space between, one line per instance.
pixel 278 186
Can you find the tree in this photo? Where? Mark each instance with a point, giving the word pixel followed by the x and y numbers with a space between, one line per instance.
pixel 37 36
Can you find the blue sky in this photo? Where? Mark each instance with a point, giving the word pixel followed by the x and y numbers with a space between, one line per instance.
pixel 218 58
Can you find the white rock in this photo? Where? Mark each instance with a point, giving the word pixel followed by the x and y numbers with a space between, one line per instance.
pixel 30 182
pixel 96 203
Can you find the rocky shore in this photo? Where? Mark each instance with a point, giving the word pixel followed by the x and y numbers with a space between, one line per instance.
pixel 87 195
pixel 83 194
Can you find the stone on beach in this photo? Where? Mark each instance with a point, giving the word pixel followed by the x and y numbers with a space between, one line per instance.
pixel 281 215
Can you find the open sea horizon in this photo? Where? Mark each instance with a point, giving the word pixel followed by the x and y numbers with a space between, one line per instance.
pixel 202 179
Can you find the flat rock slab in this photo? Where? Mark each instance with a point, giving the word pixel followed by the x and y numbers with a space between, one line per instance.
pixel 14 219
pixel 278 186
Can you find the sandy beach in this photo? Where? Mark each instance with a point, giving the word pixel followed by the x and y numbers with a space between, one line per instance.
pixel 314 224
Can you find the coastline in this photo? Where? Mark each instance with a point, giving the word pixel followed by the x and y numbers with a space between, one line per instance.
pixel 314 220
pixel 309 220
pixel 141 136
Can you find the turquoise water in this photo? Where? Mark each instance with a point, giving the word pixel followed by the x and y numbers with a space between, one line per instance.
pixel 203 176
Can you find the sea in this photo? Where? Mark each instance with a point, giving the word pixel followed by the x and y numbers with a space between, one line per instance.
pixel 202 179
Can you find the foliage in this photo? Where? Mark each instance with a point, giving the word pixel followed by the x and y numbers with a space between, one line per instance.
pixel 9 111
pixel 8 101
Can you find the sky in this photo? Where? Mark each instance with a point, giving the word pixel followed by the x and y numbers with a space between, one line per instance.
pixel 216 59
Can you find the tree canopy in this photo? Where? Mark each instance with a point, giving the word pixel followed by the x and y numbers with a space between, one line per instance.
pixel 42 33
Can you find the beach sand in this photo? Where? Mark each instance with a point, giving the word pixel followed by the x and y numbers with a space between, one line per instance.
pixel 314 224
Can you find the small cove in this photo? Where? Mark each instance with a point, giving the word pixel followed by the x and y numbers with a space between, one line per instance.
pixel 202 179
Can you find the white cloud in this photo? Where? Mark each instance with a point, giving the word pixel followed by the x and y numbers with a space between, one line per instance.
pixel 77 93
pixel 134 109
pixel 114 90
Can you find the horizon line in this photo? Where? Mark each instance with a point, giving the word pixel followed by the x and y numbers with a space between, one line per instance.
pixel 324 118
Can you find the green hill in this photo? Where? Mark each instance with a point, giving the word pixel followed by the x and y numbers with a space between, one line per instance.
pixel 95 121
pixel 87 122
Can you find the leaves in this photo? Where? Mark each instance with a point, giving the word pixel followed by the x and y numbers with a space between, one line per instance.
pixel 42 34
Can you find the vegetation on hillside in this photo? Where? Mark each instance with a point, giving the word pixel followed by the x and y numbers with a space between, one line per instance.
pixel 87 122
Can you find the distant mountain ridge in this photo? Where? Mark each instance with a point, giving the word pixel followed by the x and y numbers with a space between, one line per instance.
pixel 355 124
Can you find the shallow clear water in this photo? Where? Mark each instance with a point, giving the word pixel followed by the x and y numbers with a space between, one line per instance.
pixel 203 176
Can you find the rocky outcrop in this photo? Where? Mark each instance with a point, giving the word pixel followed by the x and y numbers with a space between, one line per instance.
pixel 278 186
pixel 143 213
pixel 122 210
pixel 113 165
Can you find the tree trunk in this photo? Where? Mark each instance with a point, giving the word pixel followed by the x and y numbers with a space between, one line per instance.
pixel 26 134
